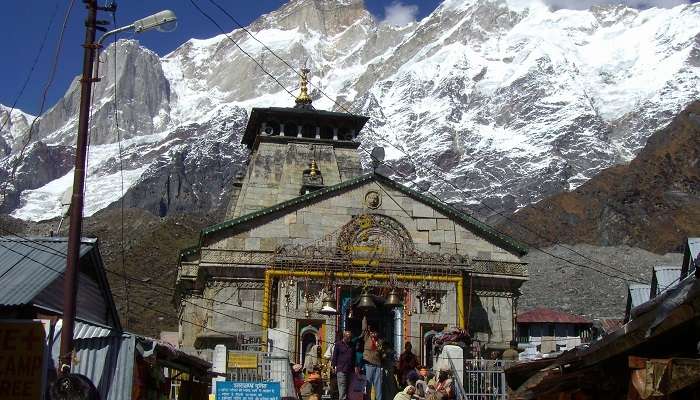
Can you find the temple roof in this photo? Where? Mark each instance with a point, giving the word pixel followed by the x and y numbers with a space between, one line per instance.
pixel 299 116
pixel 250 220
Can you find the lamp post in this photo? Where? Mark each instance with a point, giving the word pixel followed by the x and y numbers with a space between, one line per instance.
pixel 92 24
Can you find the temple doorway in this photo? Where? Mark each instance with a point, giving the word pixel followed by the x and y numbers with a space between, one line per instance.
pixel 380 317
pixel 308 334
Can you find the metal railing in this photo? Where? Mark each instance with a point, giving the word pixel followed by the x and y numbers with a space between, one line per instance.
pixel 482 380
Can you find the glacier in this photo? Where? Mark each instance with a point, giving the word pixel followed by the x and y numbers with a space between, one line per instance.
pixel 508 100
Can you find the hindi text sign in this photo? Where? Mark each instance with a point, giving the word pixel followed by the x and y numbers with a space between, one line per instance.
pixel 228 390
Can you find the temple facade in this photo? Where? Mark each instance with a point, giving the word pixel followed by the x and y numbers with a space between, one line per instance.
pixel 311 243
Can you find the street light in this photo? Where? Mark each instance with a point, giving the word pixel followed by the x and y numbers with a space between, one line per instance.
pixel 164 20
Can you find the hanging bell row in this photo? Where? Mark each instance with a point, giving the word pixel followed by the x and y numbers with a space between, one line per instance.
pixel 393 299
pixel 328 307
pixel 365 301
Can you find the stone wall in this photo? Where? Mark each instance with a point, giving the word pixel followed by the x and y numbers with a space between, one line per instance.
pixel 275 172
pixel 430 230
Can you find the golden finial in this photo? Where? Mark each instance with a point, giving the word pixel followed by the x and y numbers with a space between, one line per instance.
pixel 314 168
pixel 303 99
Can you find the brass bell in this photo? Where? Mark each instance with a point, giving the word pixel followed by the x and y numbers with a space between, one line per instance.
pixel 393 299
pixel 365 302
pixel 328 306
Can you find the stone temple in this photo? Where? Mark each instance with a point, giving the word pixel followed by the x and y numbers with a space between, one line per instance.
pixel 308 228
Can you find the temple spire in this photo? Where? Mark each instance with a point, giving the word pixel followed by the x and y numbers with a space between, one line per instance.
pixel 303 100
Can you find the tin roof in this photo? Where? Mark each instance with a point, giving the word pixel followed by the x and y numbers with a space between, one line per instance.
pixel 104 355
pixel 538 315
pixel 691 256
pixel 29 265
pixel 663 278
pixel 638 294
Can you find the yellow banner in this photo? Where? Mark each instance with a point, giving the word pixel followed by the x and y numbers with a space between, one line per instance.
pixel 22 346
pixel 242 360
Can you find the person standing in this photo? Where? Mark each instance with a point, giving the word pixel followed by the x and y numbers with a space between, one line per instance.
pixel 343 361
pixel 372 359
pixel 407 362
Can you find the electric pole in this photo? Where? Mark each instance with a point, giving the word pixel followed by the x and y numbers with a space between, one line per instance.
pixel 70 284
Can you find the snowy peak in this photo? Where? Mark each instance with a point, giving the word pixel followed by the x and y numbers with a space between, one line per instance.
pixel 14 124
pixel 509 100
pixel 329 17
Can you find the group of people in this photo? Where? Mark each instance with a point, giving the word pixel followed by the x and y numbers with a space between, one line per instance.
pixel 365 364
pixel 359 366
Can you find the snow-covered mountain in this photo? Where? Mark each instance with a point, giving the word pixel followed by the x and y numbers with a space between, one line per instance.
pixel 507 99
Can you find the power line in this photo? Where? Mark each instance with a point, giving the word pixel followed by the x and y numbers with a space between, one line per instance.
pixel 244 29
pixel 240 48
pixel 170 291
pixel 121 171
pixel 409 157
pixel 31 69
pixel 49 82
pixel 529 244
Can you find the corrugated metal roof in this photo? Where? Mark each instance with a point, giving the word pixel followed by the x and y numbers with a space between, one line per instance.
pixel 109 363
pixel 104 355
pixel 88 330
pixel 694 249
pixel 666 277
pixel 548 315
pixel 28 265
pixel 638 294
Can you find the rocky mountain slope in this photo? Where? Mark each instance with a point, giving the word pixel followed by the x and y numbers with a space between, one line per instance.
pixel 508 100
pixel 151 245
pixel 653 202
pixel 556 284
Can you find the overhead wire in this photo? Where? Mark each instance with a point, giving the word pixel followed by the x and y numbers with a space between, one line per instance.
pixel 170 291
pixel 291 94
pixel 52 74
pixel 32 68
pixel 409 157
pixel 213 21
pixel 121 170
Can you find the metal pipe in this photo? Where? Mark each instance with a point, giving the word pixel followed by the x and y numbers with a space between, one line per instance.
pixel 267 290
pixel 99 46
pixel 70 289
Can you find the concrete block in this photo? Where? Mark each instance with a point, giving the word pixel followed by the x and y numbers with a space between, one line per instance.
pixel 445 224
pixel 422 210
pixel 235 243
pixel 450 237
pixel 426 224
pixel 269 244
pixel 299 231
pixel 252 244
pixel 420 237
pixel 272 229
pixel 436 237
pixel 290 218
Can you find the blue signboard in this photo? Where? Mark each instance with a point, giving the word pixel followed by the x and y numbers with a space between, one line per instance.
pixel 227 390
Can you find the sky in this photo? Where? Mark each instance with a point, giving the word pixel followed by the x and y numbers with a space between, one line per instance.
pixel 26 24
